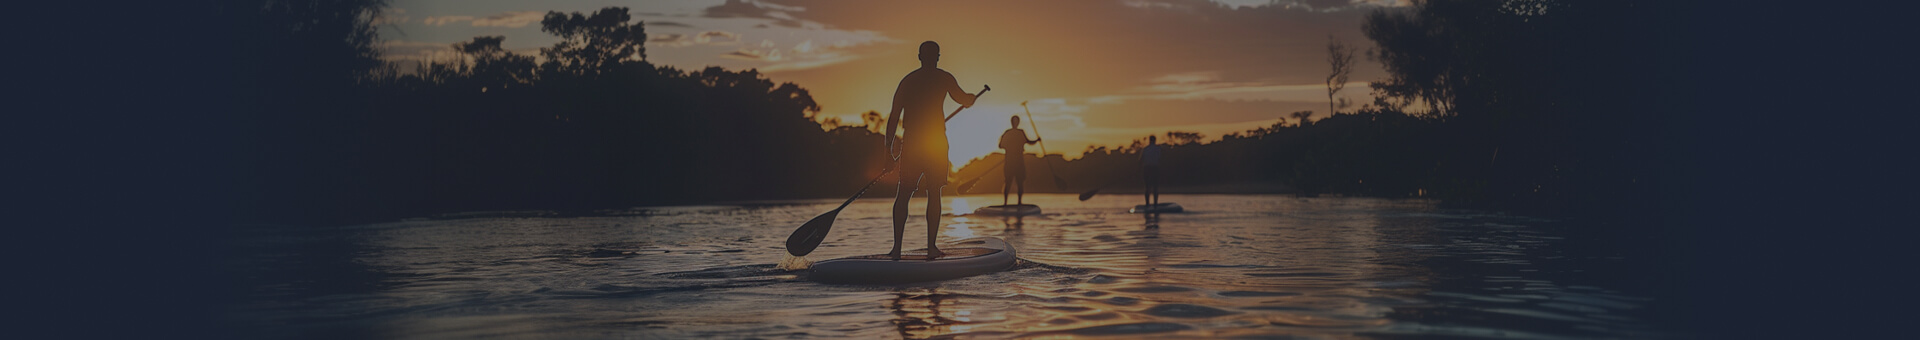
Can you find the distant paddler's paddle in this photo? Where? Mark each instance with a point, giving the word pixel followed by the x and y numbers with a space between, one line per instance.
pixel 809 235
pixel 1057 181
pixel 1089 194
pixel 968 185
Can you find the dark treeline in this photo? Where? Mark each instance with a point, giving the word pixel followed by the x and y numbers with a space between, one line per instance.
pixel 1516 105
pixel 338 135
pixel 1541 107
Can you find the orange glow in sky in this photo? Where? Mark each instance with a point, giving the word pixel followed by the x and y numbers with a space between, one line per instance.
pixel 1095 72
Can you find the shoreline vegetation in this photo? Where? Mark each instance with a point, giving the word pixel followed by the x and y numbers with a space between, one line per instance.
pixel 1519 109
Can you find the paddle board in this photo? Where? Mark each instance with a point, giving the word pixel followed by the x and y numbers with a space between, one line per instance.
pixel 1008 210
pixel 1157 208
pixel 969 257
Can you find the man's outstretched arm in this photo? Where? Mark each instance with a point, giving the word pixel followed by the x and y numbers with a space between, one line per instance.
pixel 959 95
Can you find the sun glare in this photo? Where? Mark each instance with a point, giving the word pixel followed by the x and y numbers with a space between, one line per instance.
pixel 960 206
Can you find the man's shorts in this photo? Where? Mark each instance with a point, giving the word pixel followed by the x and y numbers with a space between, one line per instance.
pixel 920 163
pixel 1016 168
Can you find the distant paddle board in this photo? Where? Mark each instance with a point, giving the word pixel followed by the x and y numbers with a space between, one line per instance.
pixel 969 257
pixel 1008 210
pixel 1156 208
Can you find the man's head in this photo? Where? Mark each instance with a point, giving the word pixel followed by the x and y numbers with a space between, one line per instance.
pixel 929 52
pixel 1016 122
pixel 1151 140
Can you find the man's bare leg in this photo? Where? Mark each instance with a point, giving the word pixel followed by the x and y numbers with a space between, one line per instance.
pixel 1021 196
pixel 1005 189
pixel 1146 191
pixel 933 222
pixel 903 196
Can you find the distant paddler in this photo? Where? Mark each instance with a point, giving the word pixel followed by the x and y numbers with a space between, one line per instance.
pixel 1014 141
pixel 1150 173
pixel 1150 170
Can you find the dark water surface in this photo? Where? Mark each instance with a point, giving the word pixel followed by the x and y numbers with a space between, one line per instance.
pixel 1232 266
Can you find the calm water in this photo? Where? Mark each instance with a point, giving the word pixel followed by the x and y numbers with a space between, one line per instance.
pixel 1233 266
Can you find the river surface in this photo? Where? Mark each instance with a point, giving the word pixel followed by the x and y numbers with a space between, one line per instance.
pixel 1232 266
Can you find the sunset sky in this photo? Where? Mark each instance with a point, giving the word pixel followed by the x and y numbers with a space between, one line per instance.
pixel 1096 72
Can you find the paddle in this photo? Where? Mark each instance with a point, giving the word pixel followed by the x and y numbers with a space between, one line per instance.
pixel 1057 181
pixel 1089 194
pixel 810 234
pixel 983 91
pixel 968 185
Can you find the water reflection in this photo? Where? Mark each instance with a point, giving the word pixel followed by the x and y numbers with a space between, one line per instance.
pixel 1244 266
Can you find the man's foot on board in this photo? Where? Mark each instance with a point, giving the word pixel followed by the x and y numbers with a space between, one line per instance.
pixel 895 254
pixel 934 253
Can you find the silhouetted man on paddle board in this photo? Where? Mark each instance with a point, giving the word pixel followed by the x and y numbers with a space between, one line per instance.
pixel 1015 142
pixel 1150 169
pixel 922 160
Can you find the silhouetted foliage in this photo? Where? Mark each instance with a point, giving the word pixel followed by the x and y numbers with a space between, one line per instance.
pixel 593 126
pixel 1527 106
pixel 593 44
pixel 1522 109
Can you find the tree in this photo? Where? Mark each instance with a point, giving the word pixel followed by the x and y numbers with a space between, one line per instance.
pixel 873 119
pixel 493 65
pixel 1184 137
pixel 593 44
pixel 1416 48
pixel 1302 117
pixel 1340 58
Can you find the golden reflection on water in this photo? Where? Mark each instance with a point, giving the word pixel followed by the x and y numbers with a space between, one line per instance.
pixel 1229 267
pixel 1159 272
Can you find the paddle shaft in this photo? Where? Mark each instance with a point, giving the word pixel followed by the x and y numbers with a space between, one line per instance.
pixel 968 184
pixel 976 97
pixel 1043 145
pixel 863 189
pixel 1089 194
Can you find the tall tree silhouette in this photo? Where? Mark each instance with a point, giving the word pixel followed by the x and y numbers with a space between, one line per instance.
pixel 1340 59
pixel 593 44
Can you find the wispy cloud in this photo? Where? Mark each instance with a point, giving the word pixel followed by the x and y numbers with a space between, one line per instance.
pixel 444 20
pixel 716 37
pixel 748 9
pixel 744 54
pixel 513 19
pixel 668 38
pixel 812 62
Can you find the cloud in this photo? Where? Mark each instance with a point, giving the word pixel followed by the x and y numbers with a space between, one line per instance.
pixel 667 39
pixel 515 19
pixel 746 9
pixel 716 37
pixel 444 20
pixel 811 62
pixel 667 24
pixel 744 55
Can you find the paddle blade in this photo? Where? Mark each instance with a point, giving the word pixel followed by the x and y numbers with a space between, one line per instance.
pixel 811 234
pixel 1089 194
